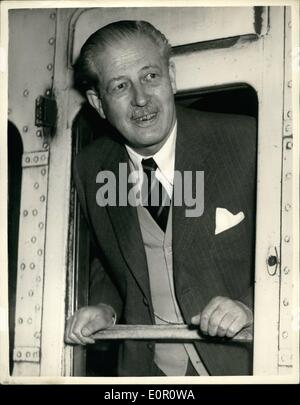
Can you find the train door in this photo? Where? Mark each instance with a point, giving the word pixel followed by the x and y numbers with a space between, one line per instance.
pixel 227 59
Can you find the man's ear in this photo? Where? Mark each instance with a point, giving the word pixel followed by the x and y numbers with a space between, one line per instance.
pixel 95 102
pixel 172 74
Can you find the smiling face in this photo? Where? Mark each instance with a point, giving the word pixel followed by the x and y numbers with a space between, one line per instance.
pixel 137 87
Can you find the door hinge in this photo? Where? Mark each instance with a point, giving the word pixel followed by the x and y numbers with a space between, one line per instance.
pixel 45 112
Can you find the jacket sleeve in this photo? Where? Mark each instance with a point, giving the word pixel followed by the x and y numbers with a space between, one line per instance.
pixel 101 287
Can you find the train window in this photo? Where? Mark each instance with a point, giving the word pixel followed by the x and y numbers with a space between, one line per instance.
pixel 235 99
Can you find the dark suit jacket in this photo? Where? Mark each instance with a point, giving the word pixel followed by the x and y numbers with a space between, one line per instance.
pixel 205 265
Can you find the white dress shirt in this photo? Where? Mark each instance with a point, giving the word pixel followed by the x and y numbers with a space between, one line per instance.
pixel 164 158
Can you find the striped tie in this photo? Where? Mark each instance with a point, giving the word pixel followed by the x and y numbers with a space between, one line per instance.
pixel 154 196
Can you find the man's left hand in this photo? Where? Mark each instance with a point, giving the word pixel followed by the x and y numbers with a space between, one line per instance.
pixel 223 316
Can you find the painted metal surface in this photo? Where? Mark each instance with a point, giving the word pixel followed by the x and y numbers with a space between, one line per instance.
pixel 181 25
pixel 50 61
pixel 285 336
pixel 30 281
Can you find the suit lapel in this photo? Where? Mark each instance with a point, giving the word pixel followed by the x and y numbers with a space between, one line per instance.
pixel 191 155
pixel 125 223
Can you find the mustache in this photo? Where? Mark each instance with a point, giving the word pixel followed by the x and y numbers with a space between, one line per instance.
pixel 142 111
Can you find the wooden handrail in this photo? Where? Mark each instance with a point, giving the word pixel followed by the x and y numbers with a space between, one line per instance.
pixel 165 332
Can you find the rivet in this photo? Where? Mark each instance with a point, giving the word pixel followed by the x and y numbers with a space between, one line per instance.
pixel 285 302
pixel 272 260
pixel 38 279
pixel 288 175
pixel 19 354
pixel 20 321
pixel 45 146
pixel 48 92
pixel 43 157
pixel 40 252
pixel 36 159
pixel 25 213
pixel 287 238
pixel 33 239
pixel 49 66
pixel 286 270
pixel 36 185
pixel 289 114
pixel 37 307
pixel 27 160
pixel 38 133
pixel 22 266
pixel 37 335
pixel 285 334
pixel 42 198
pixel 52 16
pixel 289 145
pixel 290 83
pixel 25 92
pixel 25 128
pixel 29 321
pixel 287 207
pixel 288 128
pixel 34 212
pixel 41 225
pixel 32 266
pixel 43 171
pixel 51 41
pixel 30 293
pixel 27 354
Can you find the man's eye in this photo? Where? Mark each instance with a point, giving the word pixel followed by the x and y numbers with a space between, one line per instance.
pixel 151 76
pixel 120 87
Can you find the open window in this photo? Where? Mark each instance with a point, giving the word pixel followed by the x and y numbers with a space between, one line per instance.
pixel 101 359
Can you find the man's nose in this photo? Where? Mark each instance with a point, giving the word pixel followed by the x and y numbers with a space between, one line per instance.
pixel 139 95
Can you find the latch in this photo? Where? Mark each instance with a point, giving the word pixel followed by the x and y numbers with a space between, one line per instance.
pixel 45 112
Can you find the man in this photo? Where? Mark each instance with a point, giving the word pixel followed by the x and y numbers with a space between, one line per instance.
pixel 162 266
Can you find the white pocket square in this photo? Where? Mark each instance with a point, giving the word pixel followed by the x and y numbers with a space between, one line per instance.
pixel 226 220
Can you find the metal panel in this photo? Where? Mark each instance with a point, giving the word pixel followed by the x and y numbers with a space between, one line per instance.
pixel 29 297
pixel 181 25
pixel 285 337
pixel 31 68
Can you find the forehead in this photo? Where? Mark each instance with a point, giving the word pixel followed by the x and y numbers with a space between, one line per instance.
pixel 128 55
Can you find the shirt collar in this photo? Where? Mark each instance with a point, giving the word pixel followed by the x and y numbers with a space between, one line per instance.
pixel 164 158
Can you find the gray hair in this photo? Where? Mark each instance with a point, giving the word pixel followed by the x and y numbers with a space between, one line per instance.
pixel 86 74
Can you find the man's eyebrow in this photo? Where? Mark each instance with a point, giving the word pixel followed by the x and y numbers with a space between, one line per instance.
pixel 150 67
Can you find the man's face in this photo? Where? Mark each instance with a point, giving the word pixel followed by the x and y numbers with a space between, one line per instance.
pixel 137 90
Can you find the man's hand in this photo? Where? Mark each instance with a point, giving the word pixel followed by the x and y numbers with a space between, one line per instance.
pixel 223 317
pixel 86 321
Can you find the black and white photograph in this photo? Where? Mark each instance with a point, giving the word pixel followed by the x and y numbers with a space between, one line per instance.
pixel 149 179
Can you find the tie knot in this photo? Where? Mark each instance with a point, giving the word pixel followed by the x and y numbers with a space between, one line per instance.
pixel 149 164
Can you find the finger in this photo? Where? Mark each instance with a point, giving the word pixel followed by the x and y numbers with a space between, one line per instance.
pixel 206 313
pixel 235 327
pixel 225 323
pixel 215 320
pixel 79 326
pixel 98 323
pixel 195 320
pixel 69 331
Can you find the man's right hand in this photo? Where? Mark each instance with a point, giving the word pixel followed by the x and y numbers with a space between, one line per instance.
pixel 86 321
